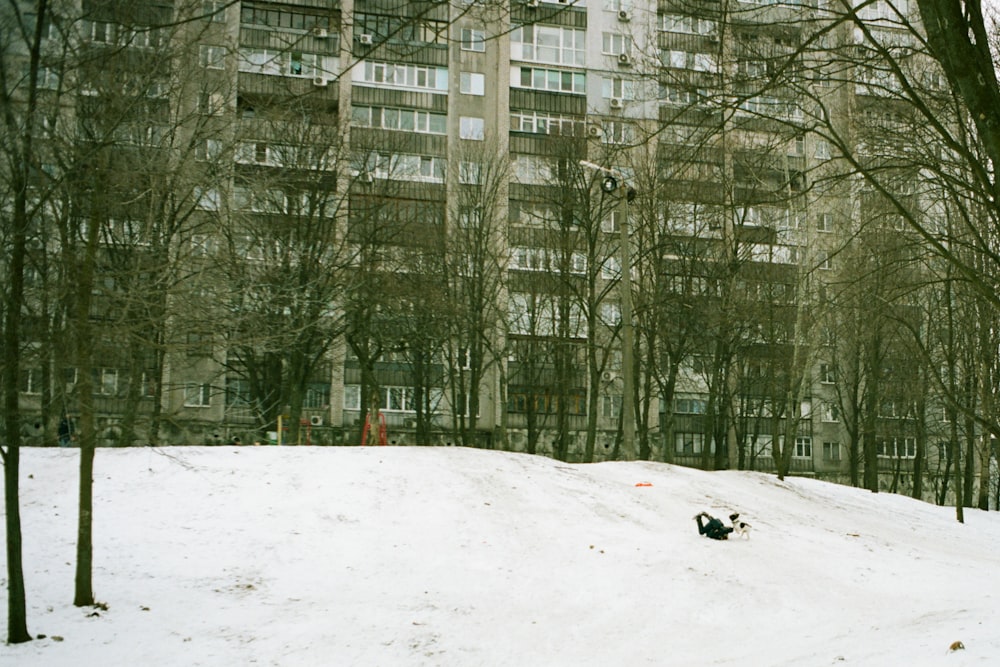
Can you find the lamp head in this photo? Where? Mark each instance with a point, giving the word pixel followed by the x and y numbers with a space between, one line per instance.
pixel 609 184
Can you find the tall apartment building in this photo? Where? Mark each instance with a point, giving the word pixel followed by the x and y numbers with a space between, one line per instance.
pixel 399 205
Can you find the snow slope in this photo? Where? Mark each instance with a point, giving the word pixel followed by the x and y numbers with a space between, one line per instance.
pixel 447 556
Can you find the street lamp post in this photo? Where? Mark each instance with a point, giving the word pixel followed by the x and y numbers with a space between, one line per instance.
pixel 610 184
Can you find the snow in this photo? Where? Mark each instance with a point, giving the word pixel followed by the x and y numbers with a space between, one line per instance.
pixel 300 556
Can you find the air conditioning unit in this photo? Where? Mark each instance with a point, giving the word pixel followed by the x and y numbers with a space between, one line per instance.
pixel 409 423
pixel 594 131
pixel 320 81
pixel 366 39
pixel 316 420
pixel 320 32
pixel 616 103
pixel 624 59
pixel 623 15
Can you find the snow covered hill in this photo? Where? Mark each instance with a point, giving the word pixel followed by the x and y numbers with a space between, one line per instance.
pixel 453 557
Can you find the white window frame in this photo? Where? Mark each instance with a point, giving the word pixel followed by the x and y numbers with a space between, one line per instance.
pixel 211 56
pixel 472 83
pixel 472 128
pixel 473 40
pixel 197 395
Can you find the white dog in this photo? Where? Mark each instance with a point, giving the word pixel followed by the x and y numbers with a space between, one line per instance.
pixel 741 528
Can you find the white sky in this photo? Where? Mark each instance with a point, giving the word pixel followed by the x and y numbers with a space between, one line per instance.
pixel 454 557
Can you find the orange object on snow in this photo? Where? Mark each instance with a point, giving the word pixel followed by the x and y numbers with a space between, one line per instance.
pixel 644 484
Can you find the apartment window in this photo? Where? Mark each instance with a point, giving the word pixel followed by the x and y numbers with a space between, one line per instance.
pixel 611 406
pixel 207 199
pixel 545 123
pixel 469 173
pixel 31 381
pixel 617 132
pixel 260 61
pixel 214 10
pixel 822 150
pixel 400 29
pixel 825 222
pixel 831 413
pixel 827 374
pixel 896 448
pixel 106 381
pixel 623 89
pixel 317 395
pixel 689 443
pixel 208 150
pixel 686 24
pixel 611 314
pixel 615 43
pixel 352 397
pixel 212 57
pixel 197 395
pixel 611 269
pixel 472 83
pixel 473 40
pixel 471 128
pixel 831 451
pixel 560 81
pixel 549 44
pixel 211 104
pixel 803 448
pixel 406 120
pixel 420 77
pixel 690 406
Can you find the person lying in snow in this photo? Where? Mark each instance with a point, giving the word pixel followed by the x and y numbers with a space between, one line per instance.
pixel 713 528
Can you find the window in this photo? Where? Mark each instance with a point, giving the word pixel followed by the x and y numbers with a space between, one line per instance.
pixel 611 406
pixel 208 150
pixel 469 173
pixel 831 413
pixel 825 222
pixel 207 199
pixel 827 374
pixel 611 269
pixel 212 57
pixel 214 10
pixel 546 123
pixel 896 448
pixel 473 40
pixel 317 395
pixel 421 77
pixel 31 381
pixel 610 223
pixel 803 448
pixel 615 43
pixel 700 62
pixel 471 128
pixel 352 397
pixel 686 24
pixel 559 81
pixel 618 88
pixel 689 443
pixel 472 83
pixel 106 381
pixel 197 395
pixel 617 132
pixel 822 150
pixel 548 44
pixel 831 451
pixel 611 314
pixel 690 406
pixel 406 120
pixel 211 104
